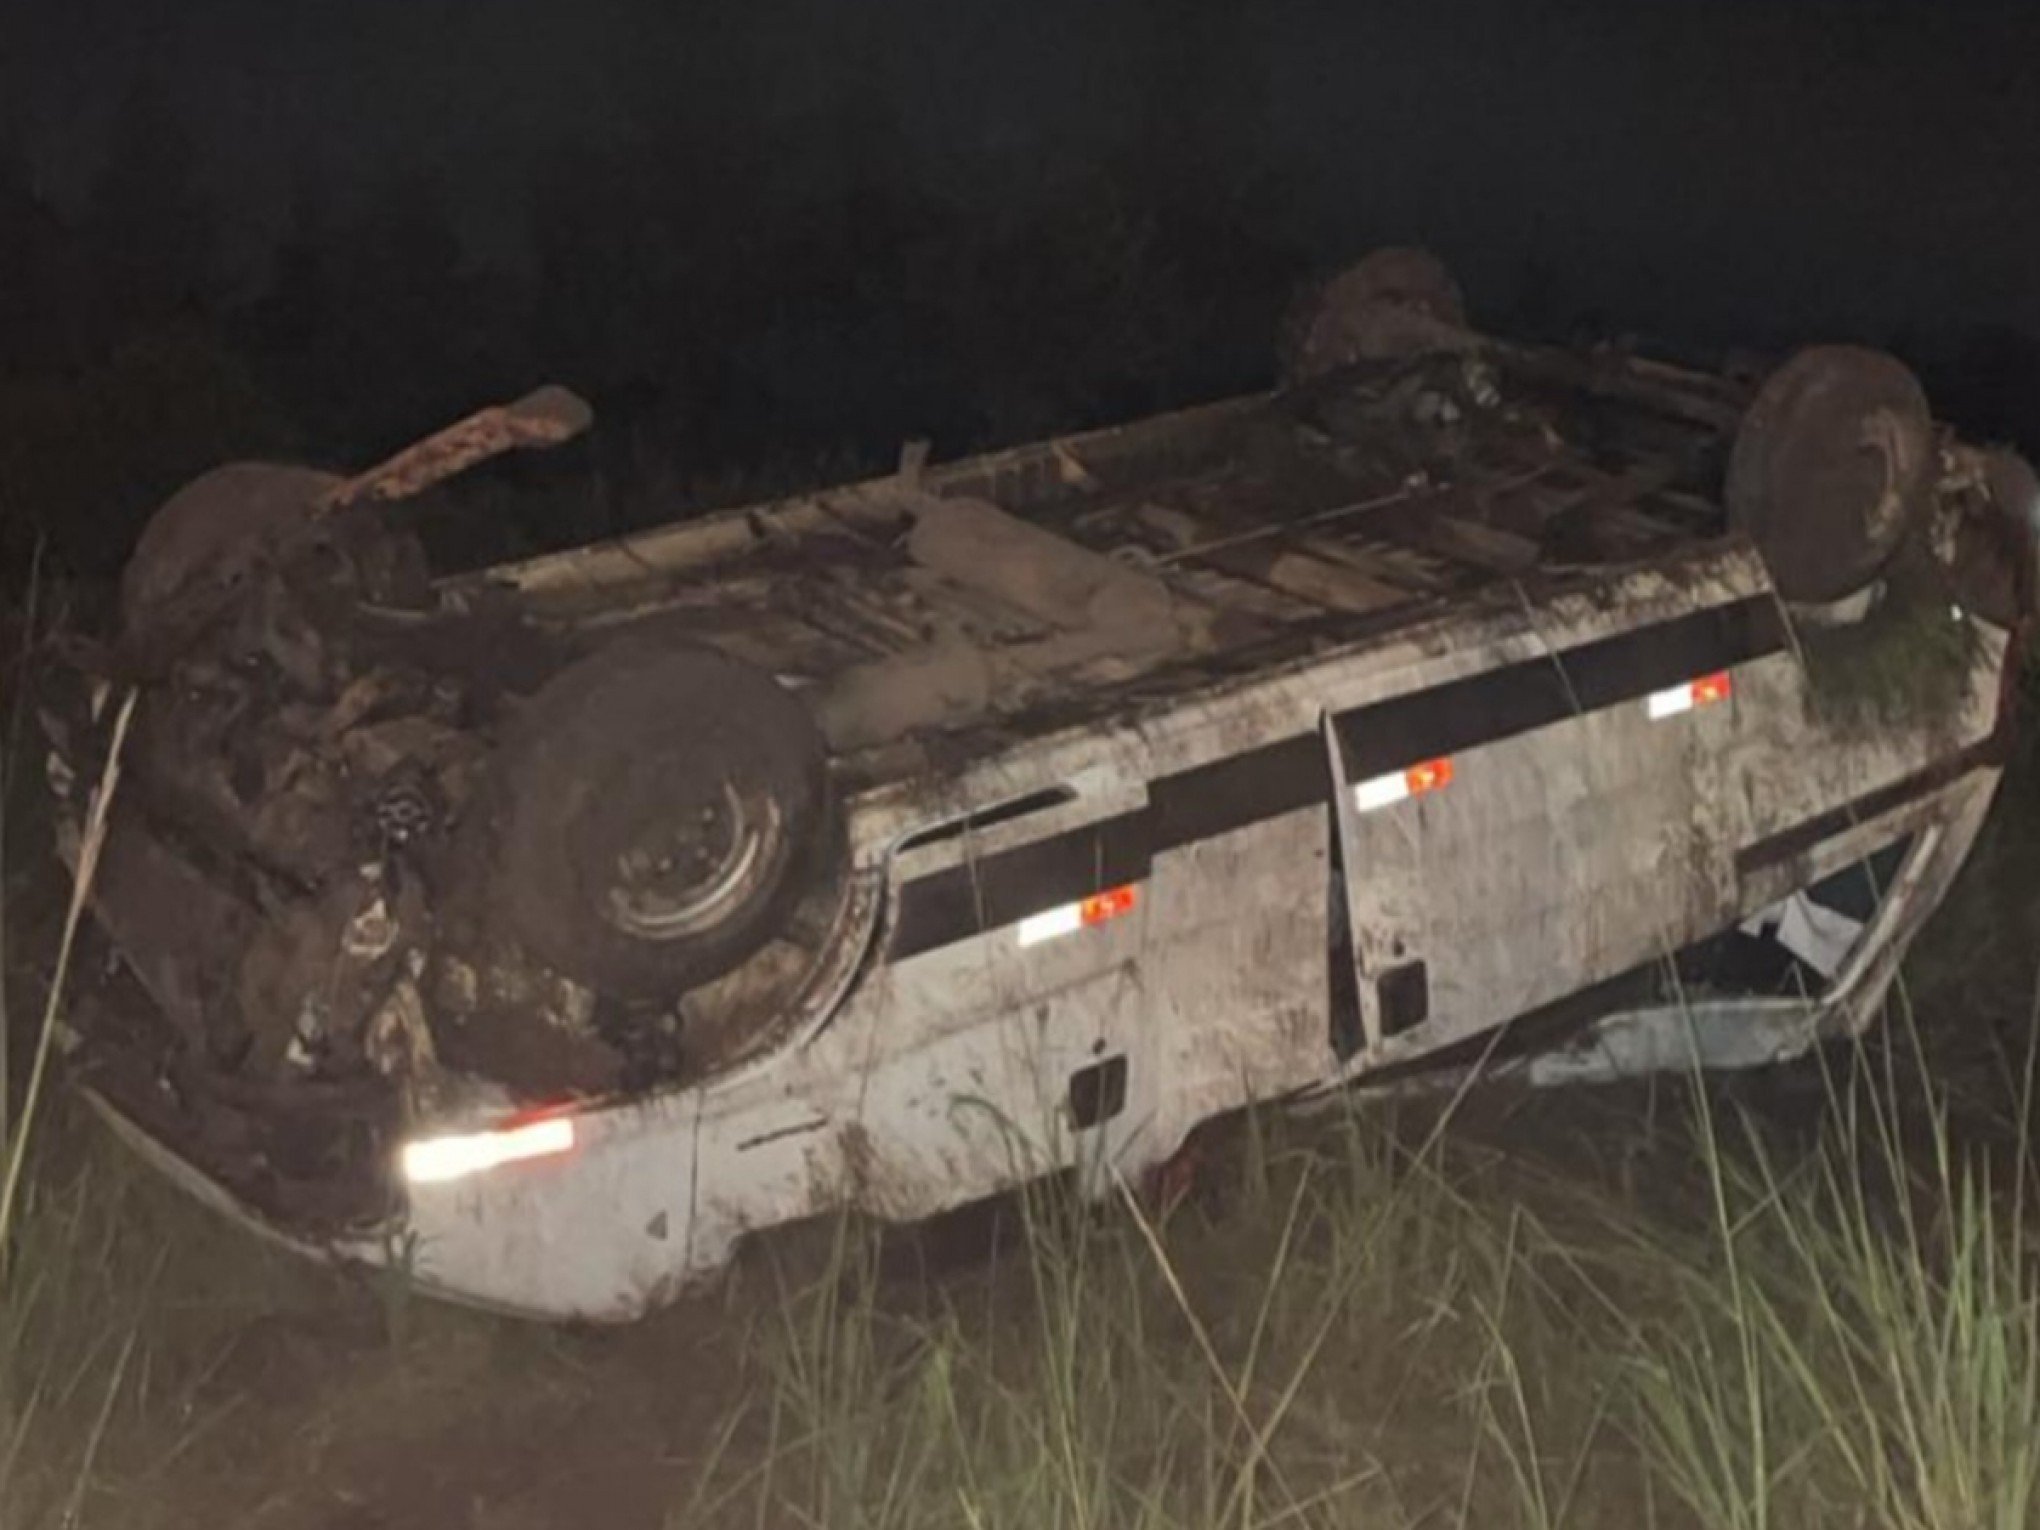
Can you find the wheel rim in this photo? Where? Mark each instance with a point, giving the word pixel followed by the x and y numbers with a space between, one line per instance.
pixel 1884 436
pixel 688 874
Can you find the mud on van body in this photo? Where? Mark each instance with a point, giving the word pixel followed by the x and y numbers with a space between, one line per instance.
pixel 1459 704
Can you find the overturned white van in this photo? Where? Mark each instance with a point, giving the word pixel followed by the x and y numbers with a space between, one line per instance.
pixel 1461 704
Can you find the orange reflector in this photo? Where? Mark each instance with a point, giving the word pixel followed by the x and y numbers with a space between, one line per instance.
pixel 1705 691
pixel 1072 917
pixel 1108 905
pixel 1709 688
pixel 435 1159
pixel 1384 791
pixel 1429 776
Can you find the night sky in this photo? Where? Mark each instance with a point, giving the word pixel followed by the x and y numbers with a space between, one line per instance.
pixel 1730 164
pixel 776 225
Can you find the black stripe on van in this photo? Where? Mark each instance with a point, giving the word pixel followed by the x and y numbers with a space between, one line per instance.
pixel 1205 801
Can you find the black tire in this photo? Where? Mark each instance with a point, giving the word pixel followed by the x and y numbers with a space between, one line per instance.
pixel 1829 469
pixel 662 807
pixel 1395 303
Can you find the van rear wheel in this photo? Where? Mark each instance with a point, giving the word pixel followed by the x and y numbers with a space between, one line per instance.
pixel 1829 469
pixel 1395 303
pixel 662 808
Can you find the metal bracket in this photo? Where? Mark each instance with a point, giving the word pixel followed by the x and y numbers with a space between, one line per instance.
pixel 1355 1024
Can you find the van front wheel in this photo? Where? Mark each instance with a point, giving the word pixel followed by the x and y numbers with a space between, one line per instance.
pixel 663 808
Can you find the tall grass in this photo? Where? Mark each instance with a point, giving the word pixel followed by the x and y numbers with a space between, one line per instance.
pixel 1297 1355
pixel 1355 1322
pixel 64 1358
pixel 72 1313
pixel 1368 1330
pixel 1379 1318
pixel 91 841
pixel 10 757
pixel 1860 1343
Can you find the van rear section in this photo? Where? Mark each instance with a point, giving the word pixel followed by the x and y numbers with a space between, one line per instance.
pixel 1463 705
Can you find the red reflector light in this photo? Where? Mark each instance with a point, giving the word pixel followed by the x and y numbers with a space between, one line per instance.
pixel 1068 918
pixel 1382 791
pixel 1429 776
pixel 1694 693
pixel 1107 905
pixel 1711 688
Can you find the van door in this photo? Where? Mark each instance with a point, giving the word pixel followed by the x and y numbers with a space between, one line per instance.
pixel 1518 835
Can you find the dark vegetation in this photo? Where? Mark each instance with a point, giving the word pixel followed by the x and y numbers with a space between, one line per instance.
pixel 819 316
pixel 1571 1316
pixel 750 302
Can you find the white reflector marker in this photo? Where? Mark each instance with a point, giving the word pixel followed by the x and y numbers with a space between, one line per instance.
pixel 1069 918
pixel 1386 791
pixel 1705 691
pixel 435 1159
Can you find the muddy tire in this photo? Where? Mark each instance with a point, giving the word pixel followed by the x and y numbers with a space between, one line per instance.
pixel 206 540
pixel 662 807
pixel 1829 469
pixel 1396 303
